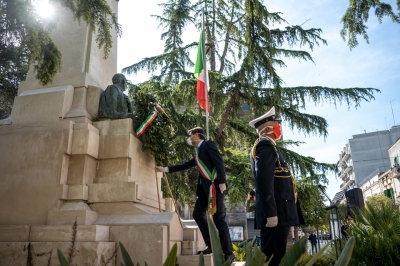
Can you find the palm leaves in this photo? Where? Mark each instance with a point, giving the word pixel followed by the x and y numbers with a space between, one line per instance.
pixel 377 233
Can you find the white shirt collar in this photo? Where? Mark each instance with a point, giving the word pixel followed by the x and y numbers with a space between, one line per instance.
pixel 200 143
pixel 265 136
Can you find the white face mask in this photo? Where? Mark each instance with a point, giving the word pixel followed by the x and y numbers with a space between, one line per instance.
pixel 189 141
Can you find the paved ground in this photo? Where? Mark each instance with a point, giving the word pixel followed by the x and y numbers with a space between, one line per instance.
pixel 322 244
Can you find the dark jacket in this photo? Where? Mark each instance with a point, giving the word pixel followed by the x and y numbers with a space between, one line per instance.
pixel 210 156
pixel 313 239
pixel 274 195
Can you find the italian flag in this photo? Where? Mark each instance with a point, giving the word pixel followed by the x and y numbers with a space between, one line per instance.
pixel 200 73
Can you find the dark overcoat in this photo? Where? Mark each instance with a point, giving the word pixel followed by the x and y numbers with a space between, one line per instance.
pixel 210 156
pixel 275 195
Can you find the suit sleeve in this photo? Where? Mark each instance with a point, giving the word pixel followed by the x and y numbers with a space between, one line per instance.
pixel 182 166
pixel 265 166
pixel 216 158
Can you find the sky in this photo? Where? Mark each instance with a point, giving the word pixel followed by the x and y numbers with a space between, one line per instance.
pixel 373 65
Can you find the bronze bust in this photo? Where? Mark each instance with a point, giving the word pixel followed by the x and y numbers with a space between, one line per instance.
pixel 114 104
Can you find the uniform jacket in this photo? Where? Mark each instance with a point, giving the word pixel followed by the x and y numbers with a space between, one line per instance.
pixel 210 156
pixel 274 195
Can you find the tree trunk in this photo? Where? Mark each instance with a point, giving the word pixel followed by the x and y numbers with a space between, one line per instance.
pixel 224 118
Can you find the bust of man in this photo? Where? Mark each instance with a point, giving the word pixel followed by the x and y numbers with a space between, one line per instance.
pixel 114 104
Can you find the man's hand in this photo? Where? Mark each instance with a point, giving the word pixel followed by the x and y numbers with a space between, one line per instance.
pixel 222 187
pixel 272 221
pixel 162 169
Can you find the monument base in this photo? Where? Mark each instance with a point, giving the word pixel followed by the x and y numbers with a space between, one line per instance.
pixel 59 167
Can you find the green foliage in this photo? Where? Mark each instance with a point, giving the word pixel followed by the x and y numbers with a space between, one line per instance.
pixel 201 260
pixel 239 253
pixel 158 136
pixel 345 256
pixel 311 202
pixel 293 256
pixel 377 200
pixel 357 15
pixel 100 18
pixel 127 261
pixel 171 259
pixel 218 255
pixel 240 176
pixel 254 256
pixel 61 258
pixel 319 261
pixel 377 235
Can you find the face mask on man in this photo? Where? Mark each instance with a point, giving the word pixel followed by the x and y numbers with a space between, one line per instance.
pixel 189 141
pixel 277 131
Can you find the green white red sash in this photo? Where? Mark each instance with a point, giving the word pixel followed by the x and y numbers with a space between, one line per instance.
pixel 149 119
pixel 146 123
pixel 212 176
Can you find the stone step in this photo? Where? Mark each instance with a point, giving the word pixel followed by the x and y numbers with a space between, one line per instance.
pixel 14 233
pixel 189 234
pixel 63 233
pixel 71 212
pixel 192 247
pixel 193 260
pixel 192 233
pixel 45 253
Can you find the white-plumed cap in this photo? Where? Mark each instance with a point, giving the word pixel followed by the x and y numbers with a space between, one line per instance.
pixel 268 116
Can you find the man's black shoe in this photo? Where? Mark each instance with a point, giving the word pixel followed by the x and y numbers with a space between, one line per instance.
pixel 230 257
pixel 206 251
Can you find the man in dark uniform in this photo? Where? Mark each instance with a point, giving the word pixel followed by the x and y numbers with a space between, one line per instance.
pixel 277 208
pixel 211 185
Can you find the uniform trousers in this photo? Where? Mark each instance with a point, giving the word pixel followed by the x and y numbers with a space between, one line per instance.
pixel 199 215
pixel 273 242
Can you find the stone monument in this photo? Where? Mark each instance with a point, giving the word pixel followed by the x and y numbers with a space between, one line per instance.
pixel 57 166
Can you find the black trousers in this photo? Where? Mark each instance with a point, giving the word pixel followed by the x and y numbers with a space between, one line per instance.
pixel 199 215
pixel 273 242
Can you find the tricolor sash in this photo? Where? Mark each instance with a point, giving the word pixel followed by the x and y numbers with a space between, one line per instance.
pixel 212 176
pixel 149 119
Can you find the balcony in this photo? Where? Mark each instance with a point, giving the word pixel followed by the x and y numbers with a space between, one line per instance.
pixel 348 182
pixel 342 175
pixel 345 156
pixel 396 172
pixel 348 169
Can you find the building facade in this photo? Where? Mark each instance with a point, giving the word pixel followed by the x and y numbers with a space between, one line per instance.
pixel 366 155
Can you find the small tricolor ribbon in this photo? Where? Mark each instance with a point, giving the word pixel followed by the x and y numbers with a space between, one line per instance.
pixel 149 119
pixel 212 176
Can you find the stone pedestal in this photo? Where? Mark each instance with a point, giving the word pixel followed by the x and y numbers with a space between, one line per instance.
pixel 57 166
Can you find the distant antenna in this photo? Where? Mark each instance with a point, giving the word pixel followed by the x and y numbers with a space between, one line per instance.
pixel 394 123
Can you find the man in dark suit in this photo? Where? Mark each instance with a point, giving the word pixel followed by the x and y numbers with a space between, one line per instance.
pixel 313 240
pixel 277 208
pixel 211 185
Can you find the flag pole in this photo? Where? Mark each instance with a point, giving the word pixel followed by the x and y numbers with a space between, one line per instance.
pixel 206 73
